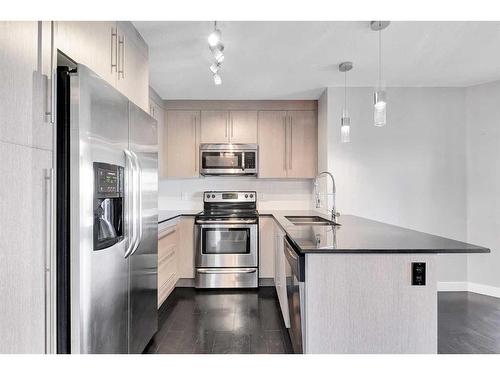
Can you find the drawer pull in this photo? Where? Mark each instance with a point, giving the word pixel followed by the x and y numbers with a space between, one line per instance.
pixel 166 232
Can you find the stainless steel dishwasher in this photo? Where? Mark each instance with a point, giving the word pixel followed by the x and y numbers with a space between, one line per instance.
pixel 295 290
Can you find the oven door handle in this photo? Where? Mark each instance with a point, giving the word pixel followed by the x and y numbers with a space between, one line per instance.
pixel 201 221
pixel 225 271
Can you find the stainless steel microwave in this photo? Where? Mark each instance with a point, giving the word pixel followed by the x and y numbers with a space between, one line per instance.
pixel 218 159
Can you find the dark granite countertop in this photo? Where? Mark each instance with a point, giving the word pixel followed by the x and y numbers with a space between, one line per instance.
pixel 358 235
pixel 164 215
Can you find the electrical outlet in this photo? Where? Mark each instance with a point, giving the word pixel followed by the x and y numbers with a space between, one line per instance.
pixel 184 196
pixel 418 273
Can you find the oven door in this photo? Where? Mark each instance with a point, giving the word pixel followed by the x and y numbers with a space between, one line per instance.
pixel 226 245
pixel 220 162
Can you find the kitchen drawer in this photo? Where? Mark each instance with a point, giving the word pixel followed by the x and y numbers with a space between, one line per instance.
pixel 165 289
pixel 167 266
pixel 168 236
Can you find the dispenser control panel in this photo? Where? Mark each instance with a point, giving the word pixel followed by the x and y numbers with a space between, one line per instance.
pixel 108 179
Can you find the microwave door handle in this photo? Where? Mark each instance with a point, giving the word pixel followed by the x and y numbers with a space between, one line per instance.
pixel 242 161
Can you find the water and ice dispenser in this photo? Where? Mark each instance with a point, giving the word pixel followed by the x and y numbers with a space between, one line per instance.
pixel 108 205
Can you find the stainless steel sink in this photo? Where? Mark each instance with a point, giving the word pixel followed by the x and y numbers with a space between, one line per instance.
pixel 309 220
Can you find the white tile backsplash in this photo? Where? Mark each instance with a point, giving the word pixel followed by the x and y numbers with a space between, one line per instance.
pixel 272 194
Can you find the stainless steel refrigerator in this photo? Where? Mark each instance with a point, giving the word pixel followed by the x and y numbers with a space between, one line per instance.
pixel 107 231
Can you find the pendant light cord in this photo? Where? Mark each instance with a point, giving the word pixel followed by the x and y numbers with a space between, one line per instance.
pixel 345 91
pixel 380 59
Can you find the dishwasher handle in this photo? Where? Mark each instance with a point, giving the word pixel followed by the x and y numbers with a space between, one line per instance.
pixel 294 259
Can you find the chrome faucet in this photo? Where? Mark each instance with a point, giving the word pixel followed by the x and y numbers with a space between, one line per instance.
pixel 334 213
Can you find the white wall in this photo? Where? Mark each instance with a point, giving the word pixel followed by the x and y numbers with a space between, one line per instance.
pixel 410 172
pixel 483 182
pixel 179 194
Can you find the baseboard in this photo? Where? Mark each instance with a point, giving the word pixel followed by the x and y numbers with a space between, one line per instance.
pixel 464 286
pixel 487 290
pixel 452 286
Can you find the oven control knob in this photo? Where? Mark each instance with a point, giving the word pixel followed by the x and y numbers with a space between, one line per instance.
pixel 246 195
pixel 208 195
pixel 213 195
pixel 251 195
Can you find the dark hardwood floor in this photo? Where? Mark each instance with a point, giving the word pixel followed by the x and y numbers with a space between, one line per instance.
pixel 221 321
pixel 249 321
pixel 468 323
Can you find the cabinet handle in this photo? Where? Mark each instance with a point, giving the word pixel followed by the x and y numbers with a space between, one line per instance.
pixel 291 144
pixel 167 232
pixel 286 143
pixel 49 277
pixel 121 58
pixel 114 48
pixel 227 125
pixel 195 146
pixel 50 111
pixel 232 123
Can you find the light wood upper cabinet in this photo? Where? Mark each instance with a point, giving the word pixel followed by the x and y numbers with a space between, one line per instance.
pixel 158 113
pixel 243 127
pixel 287 144
pixel 302 144
pixel 132 65
pixel 89 43
pixel 214 127
pixel 272 144
pixel 113 50
pixel 182 142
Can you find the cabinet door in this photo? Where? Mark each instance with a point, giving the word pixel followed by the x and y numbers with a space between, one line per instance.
pixel 266 247
pixel 280 277
pixel 180 156
pixel 132 61
pixel 157 112
pixel 302 146
pixel 24 95
pixel 168 248
pixel 24 223
pixel 214 127
pixel 90 43
pixel 185 261
pixel 272 144
pixel 243 126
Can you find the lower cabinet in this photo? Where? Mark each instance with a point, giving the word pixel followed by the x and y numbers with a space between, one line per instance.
pixel 175 255
pixel 185 260
pixel 279 273
pixel 266 247
pixel 168 249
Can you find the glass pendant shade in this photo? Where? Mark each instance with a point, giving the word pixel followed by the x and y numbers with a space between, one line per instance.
pixel 345 127
pixel 214 38
pixel 379 108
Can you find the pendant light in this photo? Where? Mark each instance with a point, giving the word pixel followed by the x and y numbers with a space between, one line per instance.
pixel 345 121
pixel 380 95
pixel 216 47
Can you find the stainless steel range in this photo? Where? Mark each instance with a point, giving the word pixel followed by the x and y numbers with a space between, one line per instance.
pixel 226 240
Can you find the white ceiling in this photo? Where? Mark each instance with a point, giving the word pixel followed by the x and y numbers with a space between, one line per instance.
pixel 296 60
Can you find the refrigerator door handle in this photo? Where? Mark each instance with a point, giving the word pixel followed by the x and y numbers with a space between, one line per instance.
pixel 131 203
pixel 138 192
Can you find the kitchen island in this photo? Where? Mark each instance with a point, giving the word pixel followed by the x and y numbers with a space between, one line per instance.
pixel 363 290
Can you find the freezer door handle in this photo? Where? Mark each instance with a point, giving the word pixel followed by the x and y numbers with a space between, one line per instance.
pixel 131 202
pixel 138 192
